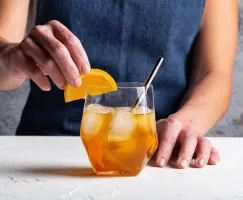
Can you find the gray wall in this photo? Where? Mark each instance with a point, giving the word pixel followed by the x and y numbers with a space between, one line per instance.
pixel 11 103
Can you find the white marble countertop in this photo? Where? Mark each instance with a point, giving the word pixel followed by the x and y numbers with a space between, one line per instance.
pixel 52 168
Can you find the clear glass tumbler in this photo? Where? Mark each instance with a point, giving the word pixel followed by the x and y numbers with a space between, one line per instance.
pixel 120 140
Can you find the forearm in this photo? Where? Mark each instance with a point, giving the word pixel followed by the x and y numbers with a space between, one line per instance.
pixel 7 80
pixel 206 101
pixel 209 92
pixel 13 20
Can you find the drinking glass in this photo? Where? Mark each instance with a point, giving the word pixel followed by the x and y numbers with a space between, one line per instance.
pixel 118 138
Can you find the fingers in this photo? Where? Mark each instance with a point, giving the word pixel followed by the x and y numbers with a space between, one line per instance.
pixel 57 53
pixel 28 67
pixel 53 50
pixel 168 131
pixel 214 157
pixel 203 152
pixel 44 36
pixel 45 62
pixel 188 146
pixel 73 45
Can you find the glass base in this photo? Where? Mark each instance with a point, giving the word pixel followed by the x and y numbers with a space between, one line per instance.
pixel 115 173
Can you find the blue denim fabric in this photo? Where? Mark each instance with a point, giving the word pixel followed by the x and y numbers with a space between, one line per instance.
pixel 123 37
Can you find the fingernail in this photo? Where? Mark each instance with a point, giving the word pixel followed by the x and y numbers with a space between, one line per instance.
pixel 183 163
pixel 201 162
pixel 87 67
pixel 213 161
pixel 162 162
pixel 46 89
pixel 76 83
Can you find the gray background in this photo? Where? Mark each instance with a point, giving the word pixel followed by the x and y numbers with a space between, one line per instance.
pixel 11 103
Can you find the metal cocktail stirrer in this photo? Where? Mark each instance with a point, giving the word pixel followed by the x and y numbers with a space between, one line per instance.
pixel 148 81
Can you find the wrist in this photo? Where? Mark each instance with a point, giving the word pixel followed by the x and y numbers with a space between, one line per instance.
pixel 194 118
pixel 9 79
pixel 6 50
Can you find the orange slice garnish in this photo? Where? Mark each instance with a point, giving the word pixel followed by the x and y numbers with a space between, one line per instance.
pixel 96 82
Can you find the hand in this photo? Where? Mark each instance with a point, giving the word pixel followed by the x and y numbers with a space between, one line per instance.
pixel 52 50
pixel 172 131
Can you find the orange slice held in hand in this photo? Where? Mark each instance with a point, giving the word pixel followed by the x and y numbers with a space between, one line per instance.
pixel 96 82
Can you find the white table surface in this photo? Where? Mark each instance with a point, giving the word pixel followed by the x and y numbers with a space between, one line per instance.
pixel 44 168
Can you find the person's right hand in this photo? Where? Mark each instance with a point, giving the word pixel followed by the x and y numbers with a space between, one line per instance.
pixel 52 50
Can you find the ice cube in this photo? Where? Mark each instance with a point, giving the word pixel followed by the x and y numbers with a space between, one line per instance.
pixel 140 110
pixel 94 119
pixel 123 109
pixel 96 108
pixel 122 127
pixel 91 123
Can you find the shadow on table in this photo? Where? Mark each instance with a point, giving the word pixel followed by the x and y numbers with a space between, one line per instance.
pixel 79 171
pixel 82 172
pixel 57 171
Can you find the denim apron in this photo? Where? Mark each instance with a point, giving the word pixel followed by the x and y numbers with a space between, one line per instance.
pixel 124 38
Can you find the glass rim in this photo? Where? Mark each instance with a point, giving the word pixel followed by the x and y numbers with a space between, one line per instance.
pixel 131 85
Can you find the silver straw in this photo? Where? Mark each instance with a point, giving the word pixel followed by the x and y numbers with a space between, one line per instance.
pixel 149 81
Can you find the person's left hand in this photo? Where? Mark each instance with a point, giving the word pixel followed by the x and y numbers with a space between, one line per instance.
pixel 171 131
